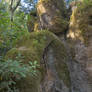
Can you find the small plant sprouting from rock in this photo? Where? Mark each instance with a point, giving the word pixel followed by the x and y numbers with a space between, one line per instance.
pixel 12 71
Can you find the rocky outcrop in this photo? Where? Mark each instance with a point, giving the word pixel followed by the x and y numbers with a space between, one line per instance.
pixel 65 65
pixel 53 74
pixel 52 15
pixel 80 35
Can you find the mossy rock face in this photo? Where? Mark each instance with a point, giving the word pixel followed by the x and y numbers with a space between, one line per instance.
pixel 81 28
pixel 81 21
pixel 81 34
pixel 52 15
pixel 31 48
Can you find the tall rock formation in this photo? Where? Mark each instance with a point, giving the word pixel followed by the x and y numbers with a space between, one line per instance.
pixel 80 35
pixel 65 65
pixel 53 74
pixel 51 16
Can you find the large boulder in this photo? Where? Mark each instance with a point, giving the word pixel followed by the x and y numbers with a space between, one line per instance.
pixel 47 49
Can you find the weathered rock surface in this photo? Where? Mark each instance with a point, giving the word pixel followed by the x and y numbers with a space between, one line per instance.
pixel 80 35
pixel 65 65
pixel 52 15
pixel 47 49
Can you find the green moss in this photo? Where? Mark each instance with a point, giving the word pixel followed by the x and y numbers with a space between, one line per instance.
pixel 84 5
pixel 61 58
pixel 81 19
pixel 31 48
pixel 59 24
pixel 84 12
pixel 30 84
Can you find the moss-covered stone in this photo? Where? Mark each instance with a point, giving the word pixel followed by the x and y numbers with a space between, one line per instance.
pixel 61 59
pixel 81 21
pixel 52 15
pixel 31 47
pixel 81 34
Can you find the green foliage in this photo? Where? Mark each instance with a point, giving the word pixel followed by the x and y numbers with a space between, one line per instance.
pixel 12 71
pixel 9 35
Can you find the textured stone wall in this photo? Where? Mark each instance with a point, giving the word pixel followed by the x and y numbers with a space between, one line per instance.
pixel 52 15
pixel 80 35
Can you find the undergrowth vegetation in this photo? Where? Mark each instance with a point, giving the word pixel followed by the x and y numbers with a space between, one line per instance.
pixel 12 71
pixel 10 34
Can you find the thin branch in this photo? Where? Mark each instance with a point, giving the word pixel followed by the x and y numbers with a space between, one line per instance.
pixel 14 8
